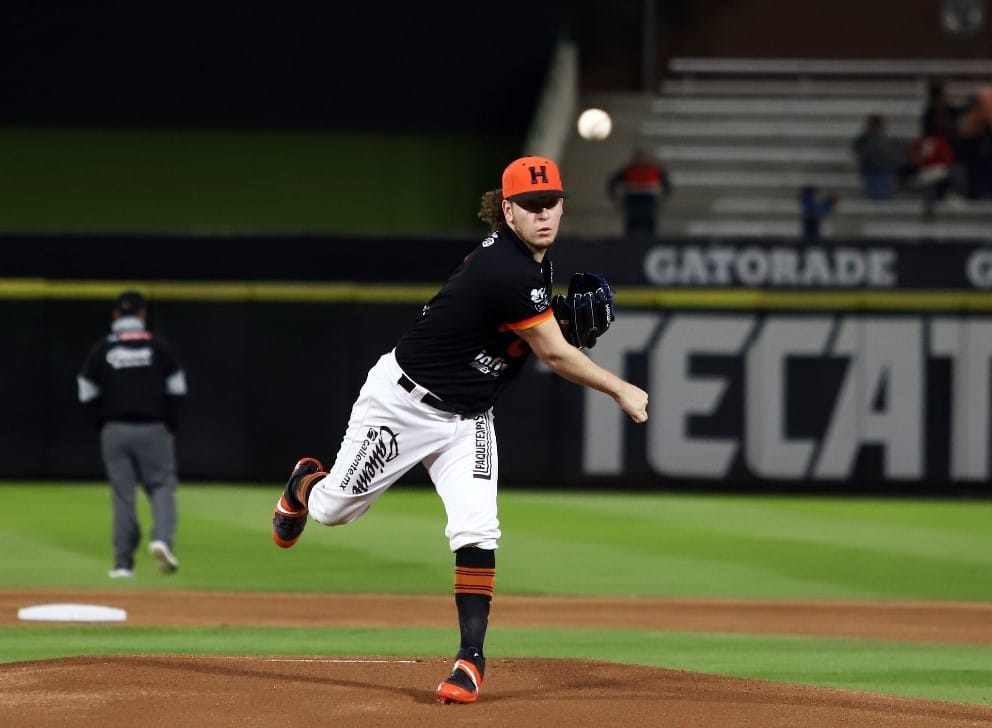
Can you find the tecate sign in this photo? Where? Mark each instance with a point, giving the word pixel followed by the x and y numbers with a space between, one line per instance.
pixel 782 396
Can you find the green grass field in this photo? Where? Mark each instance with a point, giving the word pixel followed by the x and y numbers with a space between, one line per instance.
pixel 555 544
pixel 182 180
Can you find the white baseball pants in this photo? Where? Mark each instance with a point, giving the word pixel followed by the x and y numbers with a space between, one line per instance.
pixel 390 430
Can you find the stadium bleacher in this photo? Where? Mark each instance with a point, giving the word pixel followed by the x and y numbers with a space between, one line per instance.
pixel 741 136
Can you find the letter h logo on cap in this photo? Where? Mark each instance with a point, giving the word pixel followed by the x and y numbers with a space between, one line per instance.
pixel 538 174
pixel 530 177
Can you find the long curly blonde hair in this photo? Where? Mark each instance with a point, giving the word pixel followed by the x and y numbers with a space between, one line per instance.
pixel 491 210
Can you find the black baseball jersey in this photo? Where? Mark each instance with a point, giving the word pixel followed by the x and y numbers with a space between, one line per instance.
pixel 464 347
pixel 131 376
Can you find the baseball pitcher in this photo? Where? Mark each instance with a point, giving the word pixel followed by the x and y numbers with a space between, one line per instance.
pixel 430 400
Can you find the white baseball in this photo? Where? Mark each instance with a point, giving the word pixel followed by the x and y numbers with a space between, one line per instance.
pixel 595 124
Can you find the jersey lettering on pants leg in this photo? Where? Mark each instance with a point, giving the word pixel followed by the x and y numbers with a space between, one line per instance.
pixel 483 449
pixel 379 447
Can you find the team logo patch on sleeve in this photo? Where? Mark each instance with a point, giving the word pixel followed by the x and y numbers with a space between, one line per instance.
pixel 539 297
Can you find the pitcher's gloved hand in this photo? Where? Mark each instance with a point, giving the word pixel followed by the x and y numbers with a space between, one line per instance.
pixel 586 312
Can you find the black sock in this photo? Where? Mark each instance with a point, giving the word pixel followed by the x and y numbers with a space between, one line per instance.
pixel 475 570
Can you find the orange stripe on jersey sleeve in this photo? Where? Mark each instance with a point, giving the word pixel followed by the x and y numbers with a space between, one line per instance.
pixel 528 322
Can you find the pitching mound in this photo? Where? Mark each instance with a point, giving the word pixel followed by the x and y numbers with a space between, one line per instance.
pixel 242 691
pixel 398 691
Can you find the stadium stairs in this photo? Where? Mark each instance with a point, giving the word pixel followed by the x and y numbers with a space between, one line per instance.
pixel 741 136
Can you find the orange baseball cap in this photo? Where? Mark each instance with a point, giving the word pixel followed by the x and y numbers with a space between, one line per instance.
pixel 530 177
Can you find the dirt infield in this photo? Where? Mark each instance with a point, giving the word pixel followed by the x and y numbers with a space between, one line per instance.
pixel 193 690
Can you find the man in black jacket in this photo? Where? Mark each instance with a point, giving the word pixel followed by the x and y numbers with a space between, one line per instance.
pixel 131 386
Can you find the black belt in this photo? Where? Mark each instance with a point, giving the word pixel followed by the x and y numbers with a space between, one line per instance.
pixel 434 401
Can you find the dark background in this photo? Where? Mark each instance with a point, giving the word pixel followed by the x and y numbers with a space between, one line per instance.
pixel 369 65
pixel 414 66
pixel 365 66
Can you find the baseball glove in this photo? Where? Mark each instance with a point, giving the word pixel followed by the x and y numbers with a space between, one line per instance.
pixel 587 311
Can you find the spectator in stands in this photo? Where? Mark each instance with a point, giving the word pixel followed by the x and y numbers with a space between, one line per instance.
pixel 978 113
pixel 938 174
pixel 814 207
pixel 975 145
pixel 881 159
pixel 639 188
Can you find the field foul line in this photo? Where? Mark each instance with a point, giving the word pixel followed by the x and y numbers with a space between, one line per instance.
pixel 345 662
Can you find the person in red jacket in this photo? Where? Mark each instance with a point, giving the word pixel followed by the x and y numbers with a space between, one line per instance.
pixel 937 170
pixel 639 188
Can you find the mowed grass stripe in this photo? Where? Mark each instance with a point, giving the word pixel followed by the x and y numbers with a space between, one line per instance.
pixel 782 546
pixel 553 543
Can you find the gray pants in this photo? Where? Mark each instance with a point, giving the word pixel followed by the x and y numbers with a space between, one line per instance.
pixel 144 453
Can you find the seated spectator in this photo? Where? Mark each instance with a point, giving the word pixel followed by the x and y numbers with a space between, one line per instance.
pixel 881 159
pixel 938 174
pixel 813 207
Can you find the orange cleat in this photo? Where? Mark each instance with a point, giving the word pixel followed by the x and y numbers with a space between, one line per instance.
pixel 289 517
pixel 464 683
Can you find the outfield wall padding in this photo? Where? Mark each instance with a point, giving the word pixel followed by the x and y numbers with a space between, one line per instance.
pixel 869 375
